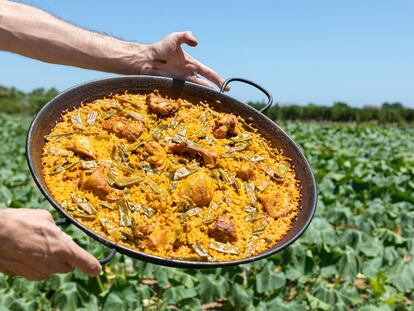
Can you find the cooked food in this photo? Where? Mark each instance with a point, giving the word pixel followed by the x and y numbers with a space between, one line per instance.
pixel 171 178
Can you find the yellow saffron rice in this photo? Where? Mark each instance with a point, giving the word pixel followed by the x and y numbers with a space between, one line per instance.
pixel 177 183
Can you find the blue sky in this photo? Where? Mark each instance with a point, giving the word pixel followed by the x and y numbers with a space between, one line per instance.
pixel 360 52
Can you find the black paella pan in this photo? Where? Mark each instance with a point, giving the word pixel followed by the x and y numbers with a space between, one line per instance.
pixel 47 117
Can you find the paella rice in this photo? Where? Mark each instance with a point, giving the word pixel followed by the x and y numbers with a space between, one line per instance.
pixel 171 178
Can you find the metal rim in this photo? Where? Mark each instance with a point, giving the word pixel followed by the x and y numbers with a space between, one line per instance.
pixel 148 257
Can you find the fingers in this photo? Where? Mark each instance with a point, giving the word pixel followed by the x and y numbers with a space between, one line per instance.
pixel 77 257
pixel 209 73
pixel 200 81
pixel 185 37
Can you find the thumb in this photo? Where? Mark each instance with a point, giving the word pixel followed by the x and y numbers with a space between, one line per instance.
pixel 185 37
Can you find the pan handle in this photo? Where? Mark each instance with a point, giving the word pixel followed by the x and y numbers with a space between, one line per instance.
pixel 269 96
pixel 105 260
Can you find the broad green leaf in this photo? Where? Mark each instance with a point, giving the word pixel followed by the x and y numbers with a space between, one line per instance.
pixel 175 294
pixel 269 280
pixel 114 302
pixel 211 287
pixel 348 265
pixel 316 304
pixel 241 297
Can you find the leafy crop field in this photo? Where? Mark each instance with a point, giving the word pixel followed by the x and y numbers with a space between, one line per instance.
pixel 357 254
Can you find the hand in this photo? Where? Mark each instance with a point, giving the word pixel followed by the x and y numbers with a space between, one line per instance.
pixel 167 58
pixel 32 246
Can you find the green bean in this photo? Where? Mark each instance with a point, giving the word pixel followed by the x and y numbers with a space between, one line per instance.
pixel 183 172
pixel 154 186
pixel 257 158
pixel 89 164
pixel 63 167
pixel 259 226
pixel 109 114
pixel 282 169
pixel 238 147
pixel 251 193
pixel 83 204
pixel 125 219
pixel 91 118
pixel 242 137
pixel 56 136
pixel 194 211
pixel 111 229
pixel 224 248
pixel 76 120
pixel 252 245
pixel 127 181
pixel 201 251
pixel 83 215
pixel 134 115
pixel 124 153
pixel 148 211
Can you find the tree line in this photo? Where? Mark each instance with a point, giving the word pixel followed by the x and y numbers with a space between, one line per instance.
pixel 13 101
pixel 341 112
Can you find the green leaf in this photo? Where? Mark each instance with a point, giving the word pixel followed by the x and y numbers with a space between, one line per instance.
pixel 401 275
pixel 174 295
pixel 67 298
pixel 371 247
pixel 211 287
pixel 114 302
pixel 241 297
pixel 348 264
pixel 269 280
pixel 316 304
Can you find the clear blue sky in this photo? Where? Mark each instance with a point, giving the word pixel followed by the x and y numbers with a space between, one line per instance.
pixel 360 52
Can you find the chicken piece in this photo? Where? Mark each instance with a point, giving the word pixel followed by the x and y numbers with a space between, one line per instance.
pixel 222 229
pixel 123 128
pixel 276 204
pixel 209 157
pixel 197 188
pixel 158 239
pixel 157 155
pixel 161 106
pixel 83 146
pixel 245 172
pixel 98 184
pixel 225 127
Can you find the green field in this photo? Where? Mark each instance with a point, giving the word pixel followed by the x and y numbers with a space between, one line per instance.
pixel 357 253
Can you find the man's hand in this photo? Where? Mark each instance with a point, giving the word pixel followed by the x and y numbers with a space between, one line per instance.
pixel 32 246
pixel 167 58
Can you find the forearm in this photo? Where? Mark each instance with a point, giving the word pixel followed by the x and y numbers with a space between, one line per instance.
pixel 34 33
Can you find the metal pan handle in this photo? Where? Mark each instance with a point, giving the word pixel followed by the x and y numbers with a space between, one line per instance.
pixel 104 261
pixel 269 96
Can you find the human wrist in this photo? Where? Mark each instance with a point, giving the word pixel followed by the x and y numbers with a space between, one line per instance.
pixel 131 58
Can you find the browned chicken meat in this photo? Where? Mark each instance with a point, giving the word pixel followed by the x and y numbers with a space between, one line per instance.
pixel 225 127
pixel 208 156
pixel 245 171
pixel 197 188
pixel 82 145
pixel 123 128
pixel 97 183
pixel 158 239
pixel 276 204
pixel 156 155
pixel 222 229
pixel 161 106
